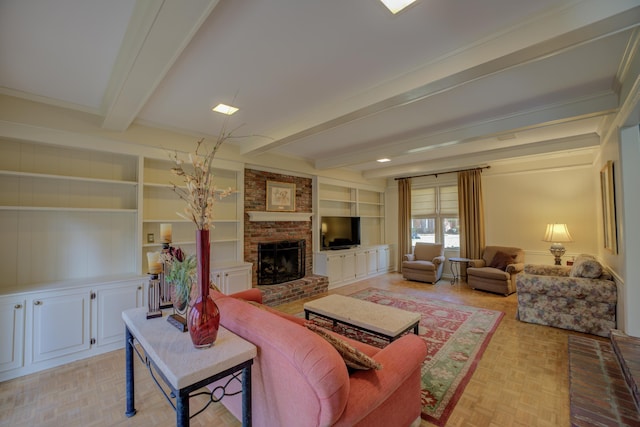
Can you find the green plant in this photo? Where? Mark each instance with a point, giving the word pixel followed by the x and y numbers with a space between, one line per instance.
pixel 181 273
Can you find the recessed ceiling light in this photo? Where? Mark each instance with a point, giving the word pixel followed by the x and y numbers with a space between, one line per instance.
pixel 396 6
pixel 224 109
pixel 383 160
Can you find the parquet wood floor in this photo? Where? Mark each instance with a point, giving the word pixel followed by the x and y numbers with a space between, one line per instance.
pixel 521 380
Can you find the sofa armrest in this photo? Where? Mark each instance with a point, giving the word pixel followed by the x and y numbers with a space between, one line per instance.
pixel 252 294
pixel 409 257
pixel 477 263
pixel 515 268
pixel 547 270
pixel 369 389
pixel 438 260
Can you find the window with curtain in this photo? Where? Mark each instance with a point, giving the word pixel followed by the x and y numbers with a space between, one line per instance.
pixel 434 216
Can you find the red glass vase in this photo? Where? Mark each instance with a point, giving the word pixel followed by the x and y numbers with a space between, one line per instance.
pixel 203 319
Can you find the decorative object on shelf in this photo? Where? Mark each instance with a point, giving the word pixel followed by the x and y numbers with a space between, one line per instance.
pixel 557 234
pixel 281 196
pixel 203 317
pixel 180 275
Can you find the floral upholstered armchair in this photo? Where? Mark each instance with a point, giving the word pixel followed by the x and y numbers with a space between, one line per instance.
pixel 581 298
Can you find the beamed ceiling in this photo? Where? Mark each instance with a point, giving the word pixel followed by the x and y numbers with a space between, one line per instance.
pixel 444 84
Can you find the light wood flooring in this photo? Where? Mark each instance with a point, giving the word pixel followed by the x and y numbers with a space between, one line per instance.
pixel 521 380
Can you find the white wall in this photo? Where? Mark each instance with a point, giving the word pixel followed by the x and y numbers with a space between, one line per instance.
pixel 629 230
pixel 520 203
pixel 520 198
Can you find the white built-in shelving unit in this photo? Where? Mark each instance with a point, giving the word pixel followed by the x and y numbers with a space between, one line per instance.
pixel 65 213
pixel 161 205
pixel 339 198
pixel 373 256
pixel 74 225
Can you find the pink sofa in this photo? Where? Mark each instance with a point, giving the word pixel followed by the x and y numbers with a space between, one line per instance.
pixel 299 379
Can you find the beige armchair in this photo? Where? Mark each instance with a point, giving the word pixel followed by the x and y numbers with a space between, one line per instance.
pixel 497 270
pixel 425 263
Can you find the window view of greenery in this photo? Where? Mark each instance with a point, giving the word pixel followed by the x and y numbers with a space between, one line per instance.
pixel 434 216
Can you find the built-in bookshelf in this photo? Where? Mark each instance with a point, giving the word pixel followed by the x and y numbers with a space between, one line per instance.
pixel 373 256
pixel 161 205
pixel 65 213
pixel 336 198
pixel 76 225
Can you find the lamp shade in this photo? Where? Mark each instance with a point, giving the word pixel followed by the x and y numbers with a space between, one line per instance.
pixel 558 233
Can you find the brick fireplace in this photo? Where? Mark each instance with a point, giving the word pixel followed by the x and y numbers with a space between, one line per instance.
pixel 260 232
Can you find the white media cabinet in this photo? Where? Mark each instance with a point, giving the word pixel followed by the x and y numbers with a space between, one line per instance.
pixel 346 266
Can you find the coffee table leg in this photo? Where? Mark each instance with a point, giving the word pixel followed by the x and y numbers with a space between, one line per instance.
pixel 416 329
pixel 128 361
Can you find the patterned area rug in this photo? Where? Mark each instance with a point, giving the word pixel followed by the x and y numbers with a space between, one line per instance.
pixel 456 336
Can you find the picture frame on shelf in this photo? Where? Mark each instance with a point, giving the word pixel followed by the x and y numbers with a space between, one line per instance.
pixel 281 196
pixel 609 223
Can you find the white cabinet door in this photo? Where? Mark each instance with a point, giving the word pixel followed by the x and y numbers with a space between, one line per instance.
pixel 61 324
pixel 232 279
pixel 372 261
pixel 349 266
pixel 111 301
pixel 383 259
pixel 12 316
pixel 361 264
pixel 334 268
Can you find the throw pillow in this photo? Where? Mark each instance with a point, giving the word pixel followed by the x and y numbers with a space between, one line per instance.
pixel 501 260
pixel 587 267
pixel 353 357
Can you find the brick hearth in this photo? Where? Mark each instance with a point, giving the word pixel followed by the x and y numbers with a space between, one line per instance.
pixel 309 285
pixel 600 389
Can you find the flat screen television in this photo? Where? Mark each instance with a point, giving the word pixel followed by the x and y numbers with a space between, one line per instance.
pixel 340 232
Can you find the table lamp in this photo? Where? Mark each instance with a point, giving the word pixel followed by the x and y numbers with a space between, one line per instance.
pixel 557 234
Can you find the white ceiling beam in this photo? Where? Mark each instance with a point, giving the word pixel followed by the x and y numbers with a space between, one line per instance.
pixel 528 51
pixel 483 155
pixel 573 109
pixel 158 32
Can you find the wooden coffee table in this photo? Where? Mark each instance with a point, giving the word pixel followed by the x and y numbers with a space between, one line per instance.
pixel 376 319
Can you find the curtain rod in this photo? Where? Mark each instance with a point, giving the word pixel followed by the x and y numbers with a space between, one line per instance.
pixel 442 173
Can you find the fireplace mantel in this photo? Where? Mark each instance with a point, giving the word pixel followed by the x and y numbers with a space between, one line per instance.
pixel 279 216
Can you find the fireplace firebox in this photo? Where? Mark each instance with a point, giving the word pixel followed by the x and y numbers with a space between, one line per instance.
pixel 280 262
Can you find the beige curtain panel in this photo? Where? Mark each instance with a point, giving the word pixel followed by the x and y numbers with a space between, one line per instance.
pixel 471 212
pixel 404 219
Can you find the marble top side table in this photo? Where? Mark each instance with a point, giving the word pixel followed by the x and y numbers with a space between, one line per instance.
pixel 181 366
